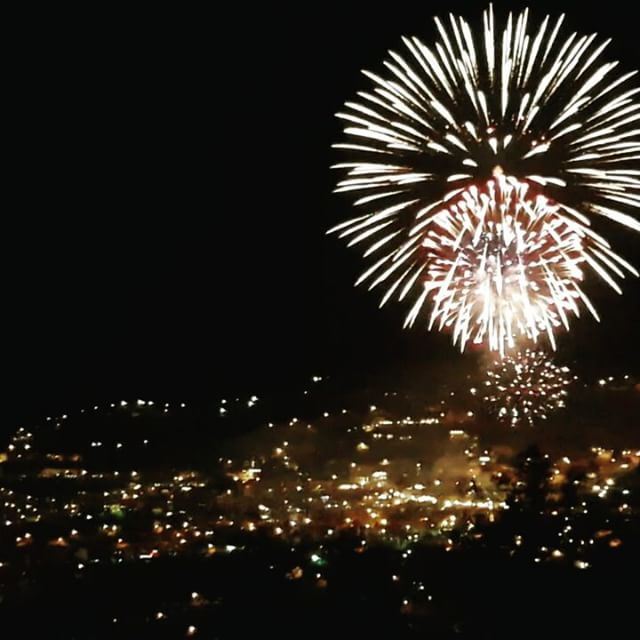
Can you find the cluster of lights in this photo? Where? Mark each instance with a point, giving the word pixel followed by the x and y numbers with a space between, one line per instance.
pixel 375 490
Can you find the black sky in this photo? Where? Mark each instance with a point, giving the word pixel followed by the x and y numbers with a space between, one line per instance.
pixel 169 191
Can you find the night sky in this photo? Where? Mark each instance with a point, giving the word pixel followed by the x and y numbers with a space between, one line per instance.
pixel 169 189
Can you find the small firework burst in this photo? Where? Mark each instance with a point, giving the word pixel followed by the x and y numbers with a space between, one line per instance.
pixel 526 387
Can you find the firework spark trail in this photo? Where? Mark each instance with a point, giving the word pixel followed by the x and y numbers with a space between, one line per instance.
pixel 525 387
pixel 540 105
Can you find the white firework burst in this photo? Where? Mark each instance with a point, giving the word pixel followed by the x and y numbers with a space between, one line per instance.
pixel 539 103
pixel 500 263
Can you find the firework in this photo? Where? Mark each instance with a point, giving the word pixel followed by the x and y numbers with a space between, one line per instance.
pixel 500 263
pixel 525 387
pixel 537 105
